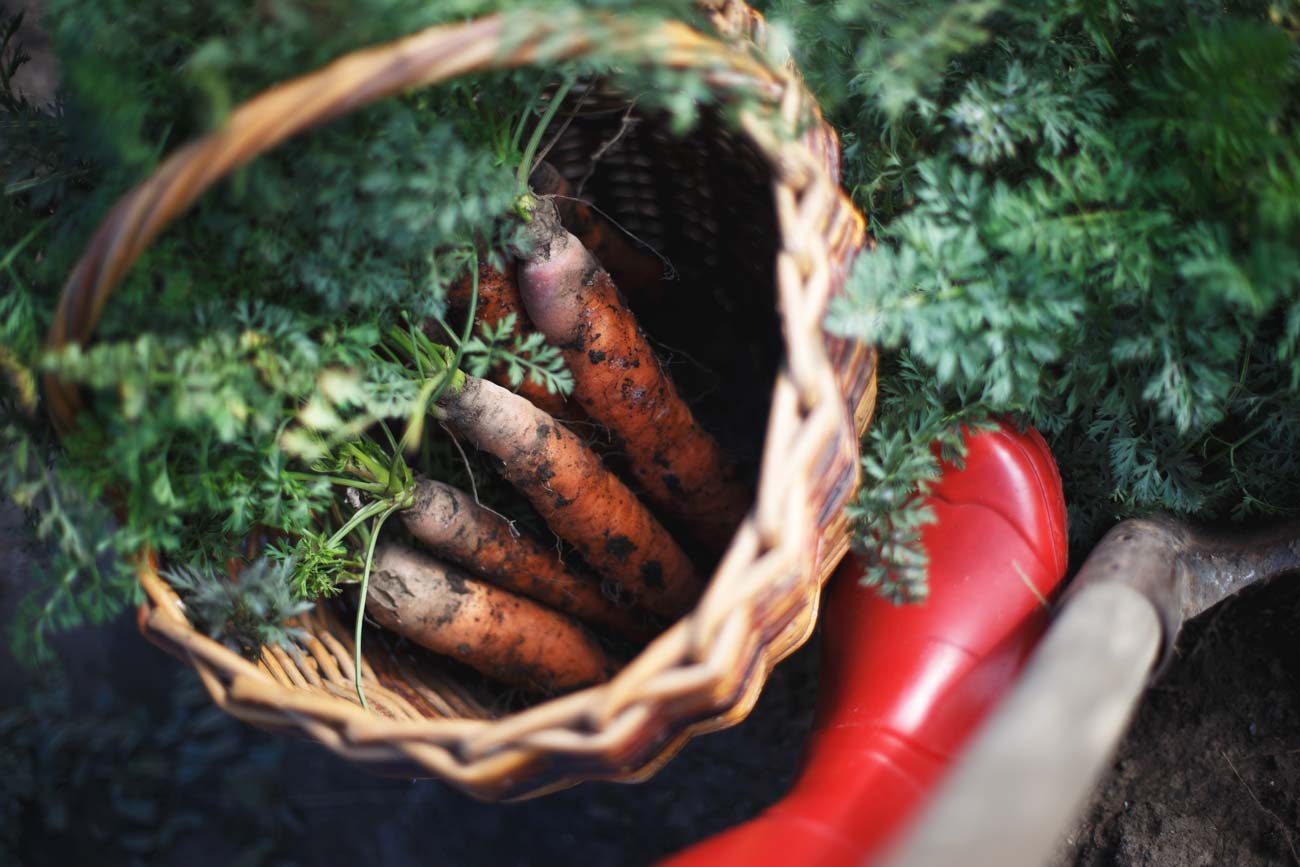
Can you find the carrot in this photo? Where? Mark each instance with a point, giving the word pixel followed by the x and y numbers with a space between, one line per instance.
pixel 619 383
pixel 498 297
pixel 506 637
pixel 451 524
pixel 636 272
pixel 581 501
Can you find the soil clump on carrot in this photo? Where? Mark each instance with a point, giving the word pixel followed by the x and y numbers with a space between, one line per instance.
pixel 504 636
pixel 581 501
pixel 620 383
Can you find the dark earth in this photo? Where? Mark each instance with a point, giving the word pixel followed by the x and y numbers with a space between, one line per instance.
pixel 1210 772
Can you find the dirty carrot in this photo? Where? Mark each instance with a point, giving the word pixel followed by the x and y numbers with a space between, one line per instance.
pixel 580 500
pixel 504 636
pixel 451 524
pixel 636 271
pixel 498 297
pixel 618 382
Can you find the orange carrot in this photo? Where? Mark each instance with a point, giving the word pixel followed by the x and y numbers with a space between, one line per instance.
pixel 498 297
pixel 619 383
pixel 636 271
pixel 448 522
pixel 581 501
pixel 506 637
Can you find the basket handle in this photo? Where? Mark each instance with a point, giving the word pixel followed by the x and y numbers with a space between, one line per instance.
pixel 355 80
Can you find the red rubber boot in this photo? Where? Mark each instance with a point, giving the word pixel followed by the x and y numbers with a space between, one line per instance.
pixel 902 687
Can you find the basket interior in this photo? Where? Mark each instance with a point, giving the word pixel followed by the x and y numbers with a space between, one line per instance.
pixel 703 202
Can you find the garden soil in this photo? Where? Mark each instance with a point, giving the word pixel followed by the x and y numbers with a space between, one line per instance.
pixel 1210 771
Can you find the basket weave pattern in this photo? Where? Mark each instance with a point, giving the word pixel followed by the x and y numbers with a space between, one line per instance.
pixel 706 671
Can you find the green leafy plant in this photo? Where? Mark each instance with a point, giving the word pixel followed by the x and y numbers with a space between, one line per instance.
pixel 257 373
pixel 522 357
pixel 1087 214
pixel 250 610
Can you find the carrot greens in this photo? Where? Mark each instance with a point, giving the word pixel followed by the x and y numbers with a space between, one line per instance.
pixel 251 367
pixel 1087 215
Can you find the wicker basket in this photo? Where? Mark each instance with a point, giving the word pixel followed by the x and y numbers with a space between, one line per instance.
pixel 795 242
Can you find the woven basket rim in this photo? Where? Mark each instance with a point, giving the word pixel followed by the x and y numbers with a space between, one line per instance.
pixel 700 663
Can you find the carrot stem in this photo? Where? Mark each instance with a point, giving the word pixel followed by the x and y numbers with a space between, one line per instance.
pixel 535 141
pixel 362 515
pixel 518 135
pixel 469 331
pixel 361 604
pixel 341 481
pixel 12 254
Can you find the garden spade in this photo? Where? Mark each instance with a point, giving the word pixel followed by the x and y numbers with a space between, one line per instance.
pixel 1026 775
